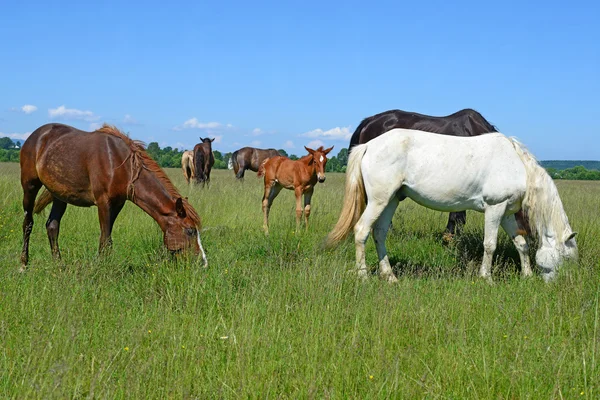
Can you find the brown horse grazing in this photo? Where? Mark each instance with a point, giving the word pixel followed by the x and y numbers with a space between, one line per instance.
pixel 187 165
pixel 103 168
pixel 249 158
pixel 465 122
pixel 203 160
pixel 301 176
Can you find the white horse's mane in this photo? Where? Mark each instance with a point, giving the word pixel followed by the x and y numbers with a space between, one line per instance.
pixel 542 203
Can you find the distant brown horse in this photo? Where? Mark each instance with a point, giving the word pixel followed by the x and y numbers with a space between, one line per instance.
pixel 301 176
pixel 249 158
pixel 103 168
pixel 187 165
pixel 203 160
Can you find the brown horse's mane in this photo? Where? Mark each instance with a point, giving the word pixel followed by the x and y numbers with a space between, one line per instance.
pixel 141 160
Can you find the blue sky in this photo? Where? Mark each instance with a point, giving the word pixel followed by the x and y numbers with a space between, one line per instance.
pixel 286 74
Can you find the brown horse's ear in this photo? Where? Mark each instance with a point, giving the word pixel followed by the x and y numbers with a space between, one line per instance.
pixel 311 151
pixel 212 140
pixel 328 150
pixel 179 209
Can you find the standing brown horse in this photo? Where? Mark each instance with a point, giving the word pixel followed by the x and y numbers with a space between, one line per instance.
pixel 103 168
pixel 187 165
pixel 249 158
pixel 301 176
pixel 203 160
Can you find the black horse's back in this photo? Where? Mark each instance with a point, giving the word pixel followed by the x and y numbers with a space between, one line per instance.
pixel 467 122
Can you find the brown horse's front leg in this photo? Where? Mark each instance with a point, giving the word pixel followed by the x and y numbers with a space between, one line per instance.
pixel 298 193
pixel 107 213
pixel 307 197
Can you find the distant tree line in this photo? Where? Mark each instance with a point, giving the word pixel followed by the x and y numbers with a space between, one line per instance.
pixel 169 157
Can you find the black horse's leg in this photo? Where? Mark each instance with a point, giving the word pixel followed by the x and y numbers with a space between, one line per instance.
pixel 108 211
pixel 456 221
pixel 240 174
pixel 53 225
pixel 30 190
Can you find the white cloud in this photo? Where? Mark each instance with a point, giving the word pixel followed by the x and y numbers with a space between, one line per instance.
pixel 72 114
pixel 257 132
pixel 315 144
pixel 193 123
pixel 95 126
pixel 255 143
pixel 218 139
pixel 289 145
pixel 28 108
pixel 336 133
pixel 16 136
pixel 128 119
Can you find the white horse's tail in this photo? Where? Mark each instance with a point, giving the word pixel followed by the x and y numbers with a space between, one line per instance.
pixel 354 198
pixel 541 205
pixel 230 163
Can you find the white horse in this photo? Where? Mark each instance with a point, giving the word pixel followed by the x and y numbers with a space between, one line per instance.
pixel 187 165
pixel 490 173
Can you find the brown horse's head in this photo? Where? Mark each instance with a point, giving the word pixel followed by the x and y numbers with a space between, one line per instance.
pixel 320 160
pixel 181 234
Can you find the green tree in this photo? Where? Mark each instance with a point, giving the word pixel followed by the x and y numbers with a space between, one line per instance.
pixel 343 156
pixel 283 152
pixel 6 143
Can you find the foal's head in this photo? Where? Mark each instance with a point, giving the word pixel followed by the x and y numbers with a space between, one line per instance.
pixel 320 160
pixel 181 234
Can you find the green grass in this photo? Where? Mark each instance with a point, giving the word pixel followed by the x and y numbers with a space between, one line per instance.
pixel 279 317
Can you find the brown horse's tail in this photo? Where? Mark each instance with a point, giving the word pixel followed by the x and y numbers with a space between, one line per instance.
pixel 261 170
pixel 42 201
pixel 354 198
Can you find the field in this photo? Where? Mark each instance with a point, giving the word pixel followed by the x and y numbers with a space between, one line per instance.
pixel 278 317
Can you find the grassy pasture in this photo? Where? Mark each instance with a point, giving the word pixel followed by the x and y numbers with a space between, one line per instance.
pixel 280 317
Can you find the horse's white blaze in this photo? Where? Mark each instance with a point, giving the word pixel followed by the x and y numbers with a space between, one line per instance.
pixel 490 173
pixel 204 260
pixel 321 159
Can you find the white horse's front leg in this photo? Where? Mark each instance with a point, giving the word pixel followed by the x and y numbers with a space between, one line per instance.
pixel 509 223
pixel 493 217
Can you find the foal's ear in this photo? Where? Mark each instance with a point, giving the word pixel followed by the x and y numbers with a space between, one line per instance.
pixel 328 150
pixel 179 209
pixel 311 151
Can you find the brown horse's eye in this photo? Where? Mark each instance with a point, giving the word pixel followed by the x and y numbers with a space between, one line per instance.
pixel 190 231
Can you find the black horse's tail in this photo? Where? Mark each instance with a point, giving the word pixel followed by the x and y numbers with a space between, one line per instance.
pixel 355 139
pixel 234 162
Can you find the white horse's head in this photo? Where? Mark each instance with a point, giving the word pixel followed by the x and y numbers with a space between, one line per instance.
pixel 554 251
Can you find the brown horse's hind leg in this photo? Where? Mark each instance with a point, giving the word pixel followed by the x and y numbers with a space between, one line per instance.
pixel 240 173
pixel 30 190
pixel 53 225
pixel 107 213
pixel 271 191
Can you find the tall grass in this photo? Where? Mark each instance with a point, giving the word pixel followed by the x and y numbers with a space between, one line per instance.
pixel 279 317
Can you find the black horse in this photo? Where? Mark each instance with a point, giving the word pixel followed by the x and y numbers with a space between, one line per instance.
pixel 465 122
pixel 203 160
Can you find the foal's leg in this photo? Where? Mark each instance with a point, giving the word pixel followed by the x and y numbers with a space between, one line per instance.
pixel 108 210
pixel 380 230
pixel 307 196
pixel 509 223
pixel 53 225
pixel 493 217
pixel 30 190
pixel 271 191
pixel 361 233
pixel 298 193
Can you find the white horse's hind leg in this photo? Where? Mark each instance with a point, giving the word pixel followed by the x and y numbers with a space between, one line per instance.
pixel 380 230
pixel 509 223
pixel 493 217
pixel 361 233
